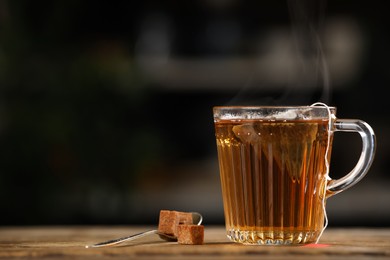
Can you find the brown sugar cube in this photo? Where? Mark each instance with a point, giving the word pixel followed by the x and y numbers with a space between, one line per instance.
pixel 170 219
pixel 190 234
pixel 167 222
pixel 185 217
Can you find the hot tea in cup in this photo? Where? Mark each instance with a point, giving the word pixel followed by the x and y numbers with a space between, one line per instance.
pixel 274 164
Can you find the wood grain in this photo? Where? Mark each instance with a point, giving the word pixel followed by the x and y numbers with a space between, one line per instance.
pixel 69 243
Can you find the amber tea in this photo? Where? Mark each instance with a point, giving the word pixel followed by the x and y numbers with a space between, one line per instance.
pixel 272 176
pixel 274 166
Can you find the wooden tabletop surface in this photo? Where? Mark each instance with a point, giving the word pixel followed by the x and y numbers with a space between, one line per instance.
pixel 69 243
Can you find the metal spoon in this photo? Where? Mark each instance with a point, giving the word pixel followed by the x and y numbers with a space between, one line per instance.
pixel 196 219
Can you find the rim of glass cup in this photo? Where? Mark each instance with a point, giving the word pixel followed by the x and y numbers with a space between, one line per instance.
pixel 253 112
pixel 273 107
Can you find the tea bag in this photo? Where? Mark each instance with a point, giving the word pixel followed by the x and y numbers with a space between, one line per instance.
pixel 285 143
pixel 247 133
pixel 297 141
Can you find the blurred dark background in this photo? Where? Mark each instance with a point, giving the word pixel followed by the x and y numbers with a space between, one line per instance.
pixel 106 106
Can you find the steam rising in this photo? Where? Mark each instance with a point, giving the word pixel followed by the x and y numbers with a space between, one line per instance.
pixel 308 78
pixel 307 18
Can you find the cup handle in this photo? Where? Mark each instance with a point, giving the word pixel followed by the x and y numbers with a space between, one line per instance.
pixel 366 158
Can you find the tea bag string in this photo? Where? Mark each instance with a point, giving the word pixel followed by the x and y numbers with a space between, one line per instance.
pixel 330 117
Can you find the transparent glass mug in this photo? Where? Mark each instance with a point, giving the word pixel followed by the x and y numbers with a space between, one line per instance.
pixel 274 165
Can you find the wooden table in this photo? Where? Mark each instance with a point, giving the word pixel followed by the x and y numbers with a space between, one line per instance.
pixel 69 243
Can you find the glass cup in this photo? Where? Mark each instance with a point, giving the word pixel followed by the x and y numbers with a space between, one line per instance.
pixel 274 165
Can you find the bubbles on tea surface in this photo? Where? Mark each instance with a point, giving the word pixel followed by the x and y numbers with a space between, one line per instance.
pixel 291 114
